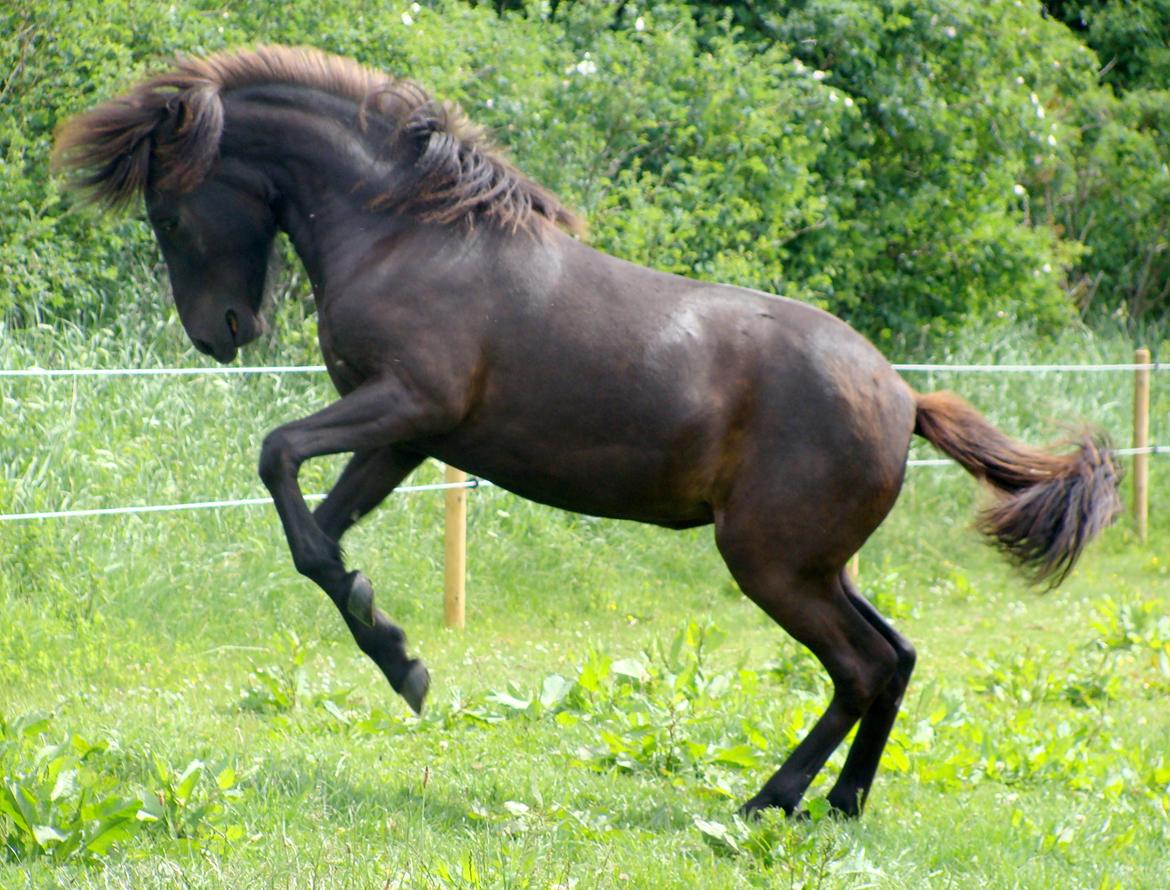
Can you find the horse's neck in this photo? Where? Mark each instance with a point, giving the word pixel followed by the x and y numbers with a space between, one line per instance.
pixel 323 182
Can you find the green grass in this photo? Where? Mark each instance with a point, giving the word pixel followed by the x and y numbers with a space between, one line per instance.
pixel 1030 752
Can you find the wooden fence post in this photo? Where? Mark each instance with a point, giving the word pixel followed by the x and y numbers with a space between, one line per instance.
pixel 854 567
pixel 1141 439
pixel 454 550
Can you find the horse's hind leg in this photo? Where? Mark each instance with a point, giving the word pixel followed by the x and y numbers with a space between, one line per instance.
pixel 815 608
pixel 849 794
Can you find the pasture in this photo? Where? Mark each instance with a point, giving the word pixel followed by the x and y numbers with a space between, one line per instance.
pixel 180 708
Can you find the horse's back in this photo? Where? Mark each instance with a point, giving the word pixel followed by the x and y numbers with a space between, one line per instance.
pixel 657 397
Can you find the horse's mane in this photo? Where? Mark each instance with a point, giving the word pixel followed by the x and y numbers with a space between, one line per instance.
pixel 166 131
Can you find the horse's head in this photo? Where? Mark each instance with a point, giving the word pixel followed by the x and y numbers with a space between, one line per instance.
pixel 216 240
pixel 213 217
pixel 167 140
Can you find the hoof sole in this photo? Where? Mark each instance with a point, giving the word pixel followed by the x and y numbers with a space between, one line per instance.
pixel 360 603
pixel 415 686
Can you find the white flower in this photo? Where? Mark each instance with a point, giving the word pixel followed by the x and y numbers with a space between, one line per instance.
pixel 586 66
pixel 820 75
pixel 407 20
pixel 950 31
pixel 1019 190
pixel 1051 140
pixel 848 102
pixel 415 8
pixel 639 24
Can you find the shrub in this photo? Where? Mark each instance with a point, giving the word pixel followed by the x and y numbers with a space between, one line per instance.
pixel 910 166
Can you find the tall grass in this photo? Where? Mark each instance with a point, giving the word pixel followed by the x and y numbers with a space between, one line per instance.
pixel 1029 752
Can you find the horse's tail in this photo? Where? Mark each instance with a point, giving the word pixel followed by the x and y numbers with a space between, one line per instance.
pixel 1047 506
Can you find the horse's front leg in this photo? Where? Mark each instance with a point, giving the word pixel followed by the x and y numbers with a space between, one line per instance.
pixel 366 481
pixel 367 421
pixel 368 478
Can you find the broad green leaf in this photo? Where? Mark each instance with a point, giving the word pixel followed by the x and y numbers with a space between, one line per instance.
pixel 717 832
pixel 510 701
pixel 10 806
pixel 615 744
pixel 818 808
pixel 632 668
pixel 895 758
pixel 737 755
pixel 554 690
pixel 48 834
pixel 226 778
pixel 112 832
pixel 188 780
pixel 594 673
pixel 65 786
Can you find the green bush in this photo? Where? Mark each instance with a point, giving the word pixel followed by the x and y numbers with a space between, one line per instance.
pixel 911 166
pixel 1131 38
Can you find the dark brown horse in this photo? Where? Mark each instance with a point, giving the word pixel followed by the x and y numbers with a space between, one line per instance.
pixel 459 320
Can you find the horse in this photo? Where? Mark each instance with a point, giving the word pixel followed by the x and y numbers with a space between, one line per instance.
pixel 462 316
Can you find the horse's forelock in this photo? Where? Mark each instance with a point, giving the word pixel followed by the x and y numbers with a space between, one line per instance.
pixel 167 128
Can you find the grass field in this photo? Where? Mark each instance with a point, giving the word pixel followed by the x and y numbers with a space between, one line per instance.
pixel 181 709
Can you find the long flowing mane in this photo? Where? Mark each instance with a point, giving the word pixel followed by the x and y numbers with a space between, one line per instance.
pixel 166 131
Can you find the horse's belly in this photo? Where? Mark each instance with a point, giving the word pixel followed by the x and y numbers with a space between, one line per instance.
pixel 615 481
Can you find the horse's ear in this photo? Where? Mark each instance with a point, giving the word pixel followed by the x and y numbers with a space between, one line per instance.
pixel 174 124
pixel 423 123
pixel 187 144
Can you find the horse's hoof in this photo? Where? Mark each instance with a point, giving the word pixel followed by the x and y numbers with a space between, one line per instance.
pixel 415 686
pixel 754 809
pixel 360 603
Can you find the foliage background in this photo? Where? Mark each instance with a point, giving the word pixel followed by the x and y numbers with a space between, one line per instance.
pixel 912 166
pixel 179 708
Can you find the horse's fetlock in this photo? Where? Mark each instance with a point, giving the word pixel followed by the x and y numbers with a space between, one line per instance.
pixel 907 658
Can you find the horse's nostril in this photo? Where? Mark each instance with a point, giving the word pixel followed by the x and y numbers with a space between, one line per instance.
pixel 233 323
pixel 202 345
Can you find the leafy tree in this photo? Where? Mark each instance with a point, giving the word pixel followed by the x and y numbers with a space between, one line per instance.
pixel 910 165
pixel 1131 38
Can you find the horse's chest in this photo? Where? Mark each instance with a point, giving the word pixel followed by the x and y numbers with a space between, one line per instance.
pixel 345 376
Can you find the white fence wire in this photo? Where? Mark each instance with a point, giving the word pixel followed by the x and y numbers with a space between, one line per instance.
pixel 212 371
pixel 226 371
pixel 47 373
